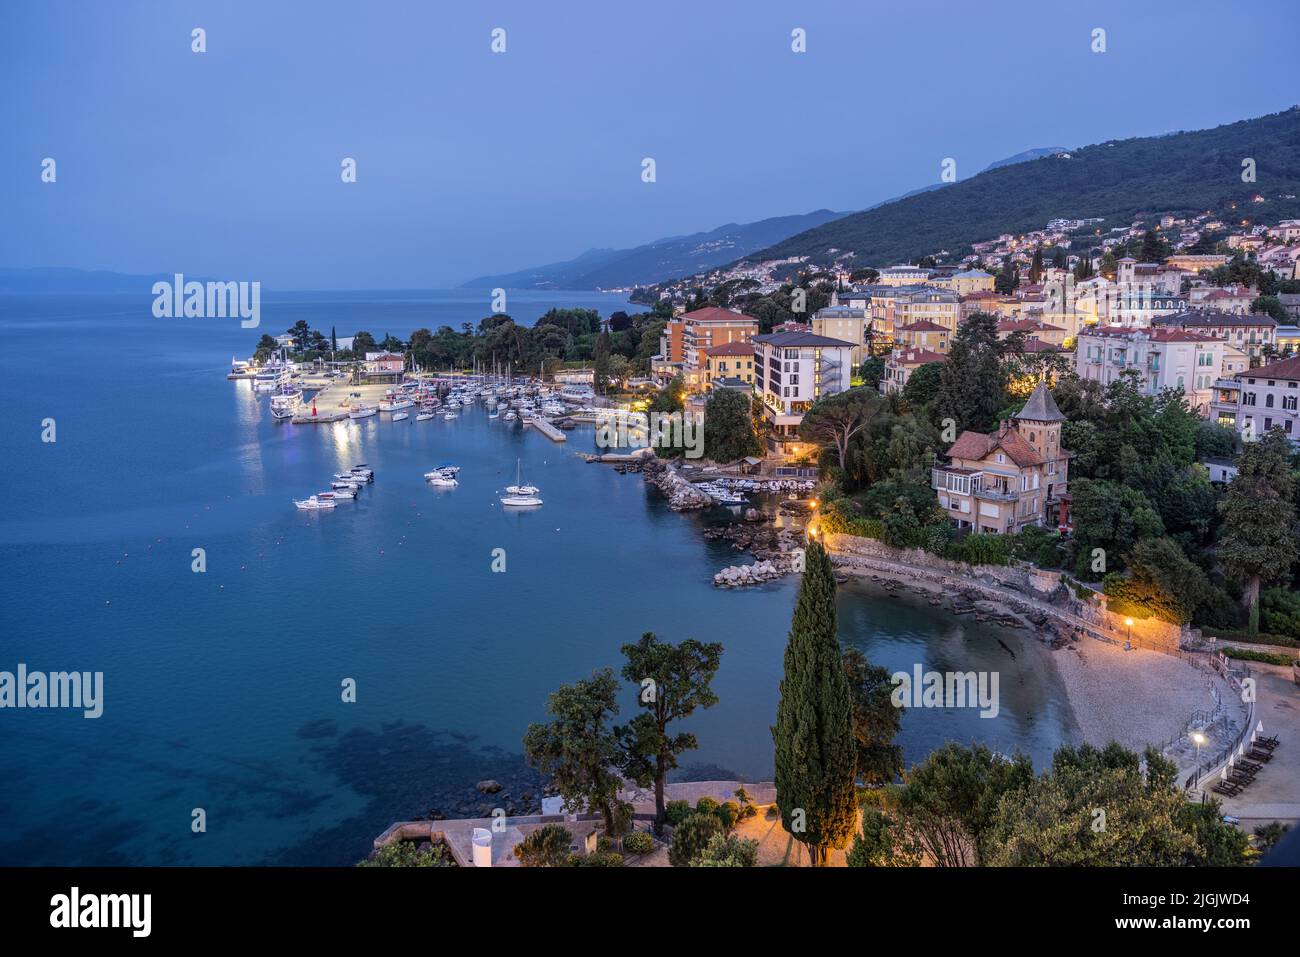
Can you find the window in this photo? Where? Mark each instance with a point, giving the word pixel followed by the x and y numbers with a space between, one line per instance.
pixel 1268 401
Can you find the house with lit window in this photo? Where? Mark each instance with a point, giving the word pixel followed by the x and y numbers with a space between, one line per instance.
pixel 1001 482
pixel 1250 332
pixel 792 370
pixel 1190 362
pixel 731 360
pixel 901 363
pixel 703 329
pixel 1256 400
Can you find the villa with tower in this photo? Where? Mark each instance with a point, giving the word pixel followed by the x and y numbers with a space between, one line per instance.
pixel 1000 482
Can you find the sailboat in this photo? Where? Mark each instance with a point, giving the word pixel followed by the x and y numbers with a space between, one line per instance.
pixel 521 495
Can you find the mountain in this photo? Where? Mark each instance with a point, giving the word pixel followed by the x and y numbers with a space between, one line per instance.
pixel 679 256
pixel 47 279
pixel 1120 180
pixel 662 259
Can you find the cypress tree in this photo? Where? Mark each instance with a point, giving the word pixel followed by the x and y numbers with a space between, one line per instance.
pixel 813 735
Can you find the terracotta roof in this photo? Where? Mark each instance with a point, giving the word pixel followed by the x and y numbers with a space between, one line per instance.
pixel 781 339
pixel 731 349
pixel 1282 369
pixel 974 446
pixel 1026 325
pixel 923 325
pixel 1212 317
pixel 714 314
pixel 917 357
pixel 1038 345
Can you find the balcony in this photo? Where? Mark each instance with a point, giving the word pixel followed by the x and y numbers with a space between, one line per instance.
pixel 996 494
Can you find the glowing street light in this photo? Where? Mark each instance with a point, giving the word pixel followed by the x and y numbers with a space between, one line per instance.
pixel 1200 740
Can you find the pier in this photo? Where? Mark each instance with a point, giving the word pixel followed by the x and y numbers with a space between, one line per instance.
pixel 545 427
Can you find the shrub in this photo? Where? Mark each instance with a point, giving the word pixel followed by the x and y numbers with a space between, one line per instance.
pixel 1263 638
pixel 605 843
pixel 722 851
pixel 599 859
pixel 730 814
pixel 677 811
pixel 638 842
pixel 408 854
pixel 547 846
pixel 706 805
pixel 691 837
pixel 980 549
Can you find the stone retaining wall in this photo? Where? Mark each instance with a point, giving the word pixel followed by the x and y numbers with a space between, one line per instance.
pixel 1043 597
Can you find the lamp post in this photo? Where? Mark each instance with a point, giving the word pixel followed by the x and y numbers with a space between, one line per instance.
pixel 1129 622
pixel 1200 740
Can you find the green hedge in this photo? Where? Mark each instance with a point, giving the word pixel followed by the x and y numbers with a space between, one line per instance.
pixel 1267 657
pixel 1263 638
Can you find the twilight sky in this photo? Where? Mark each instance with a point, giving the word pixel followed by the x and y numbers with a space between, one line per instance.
pixel 227 163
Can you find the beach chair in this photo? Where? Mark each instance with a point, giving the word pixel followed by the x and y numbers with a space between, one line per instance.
pixel 1227 787
pixel 1268 744
pixel 1248 765
pixel 1257 755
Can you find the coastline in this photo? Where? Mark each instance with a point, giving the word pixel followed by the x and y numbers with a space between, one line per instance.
pixel 1108 690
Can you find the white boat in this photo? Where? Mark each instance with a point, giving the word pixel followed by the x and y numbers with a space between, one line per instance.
pixel 313 503
pixel 396 403
pixel 449 416
pixel 285 402
pixel 335 497
pixel 362 473
pixel 494 414
pixel 521 495
pixel 510 416
pixel 423 416
pixel 400 416
pixel 362 411
pixel 441 481
pixel 344 488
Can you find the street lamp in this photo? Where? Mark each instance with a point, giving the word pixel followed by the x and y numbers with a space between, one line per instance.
pixel 1200 740
pixel 1129 622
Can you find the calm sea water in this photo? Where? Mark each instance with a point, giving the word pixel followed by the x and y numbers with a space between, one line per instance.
pixel 223 688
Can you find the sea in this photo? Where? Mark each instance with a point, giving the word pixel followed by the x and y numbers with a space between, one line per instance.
pixel 329 673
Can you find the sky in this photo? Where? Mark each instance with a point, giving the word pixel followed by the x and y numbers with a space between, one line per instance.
pixel 227 163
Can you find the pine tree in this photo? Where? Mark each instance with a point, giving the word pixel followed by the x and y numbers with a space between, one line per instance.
pixel 1259 540
pixel 1036 267
pixel 813 735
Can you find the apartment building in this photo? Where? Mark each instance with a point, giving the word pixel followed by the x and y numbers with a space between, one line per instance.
pixel 1190 362
pixel 1000 482
pixel 901 363
pixel 849 323
pixel 731 360
pixel 706 328
pixel 1259 399
pixel 1249 332
pixel 792 370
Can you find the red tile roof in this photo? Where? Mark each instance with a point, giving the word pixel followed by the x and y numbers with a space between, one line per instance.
pixel 731 349
pixel 917 357
pixel 923 325
pixel 1282 369
pixel 974 446
pixel 714 314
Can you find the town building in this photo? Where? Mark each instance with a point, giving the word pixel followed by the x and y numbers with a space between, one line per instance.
pixel 731 360
pixel 1190 362
pixel 901 363
pixel 1249 332
pixel 792 370
pixel 1001 482
pixel 1257 400
pixel 904 275
pixel 705 328
pixel 848 323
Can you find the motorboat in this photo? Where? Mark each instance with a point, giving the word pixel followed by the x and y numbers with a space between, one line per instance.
pixel 349 489
pixel 438 480
pixel 313 503
pixel 449 415
pixel 511 416
pixel 396 403
pixel 494 414
pixel 400 416
pixel 363 474
pixel 362 411
pixel 424 415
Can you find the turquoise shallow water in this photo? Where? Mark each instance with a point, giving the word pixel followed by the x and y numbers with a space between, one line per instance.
pixel 223 689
